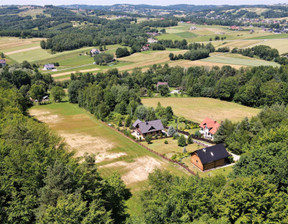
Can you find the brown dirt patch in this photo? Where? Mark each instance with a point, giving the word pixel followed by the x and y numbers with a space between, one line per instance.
pixel 136 171
pixel 46 116
pixel 83 143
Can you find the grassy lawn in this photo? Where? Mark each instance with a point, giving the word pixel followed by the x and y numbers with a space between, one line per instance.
pixel 84 133
pixel 198 108
pixel 171 148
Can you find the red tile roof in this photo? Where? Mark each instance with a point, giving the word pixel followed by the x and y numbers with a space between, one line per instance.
pixel 212 125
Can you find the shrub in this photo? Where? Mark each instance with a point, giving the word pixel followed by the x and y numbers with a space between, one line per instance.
pixel 182 141
pixel 166 142
pixel 198 134
pixel 176 136
pixel 190 140
pixel 148 139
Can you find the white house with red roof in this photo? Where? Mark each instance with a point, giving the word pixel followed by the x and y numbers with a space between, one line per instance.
pixel 208 128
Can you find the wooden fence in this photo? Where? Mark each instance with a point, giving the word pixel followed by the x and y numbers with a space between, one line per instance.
pixel 154 152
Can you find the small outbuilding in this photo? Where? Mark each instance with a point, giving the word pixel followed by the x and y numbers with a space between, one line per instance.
pixel 210 157
pixel 2 63
pixel 94 52
pixel 49 67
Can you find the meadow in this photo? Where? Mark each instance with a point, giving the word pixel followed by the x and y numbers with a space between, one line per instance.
pixel 236 59
pixel 114 152
pixel 198 108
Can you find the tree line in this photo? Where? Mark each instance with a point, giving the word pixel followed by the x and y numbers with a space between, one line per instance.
pixel 43 182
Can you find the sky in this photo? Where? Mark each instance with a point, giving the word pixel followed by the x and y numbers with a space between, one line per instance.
pixel 135 2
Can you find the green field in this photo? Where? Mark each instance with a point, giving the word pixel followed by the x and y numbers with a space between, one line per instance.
pixel 236 59
pixel 204 32
pixel 83 133
pixel 271 36
pixel 17 50
pixel 198 108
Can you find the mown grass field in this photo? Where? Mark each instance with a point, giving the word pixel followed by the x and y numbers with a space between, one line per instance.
pixel 204 33
pixel 198 108
pixel 171 148
pixel 84 133
pixel 237 59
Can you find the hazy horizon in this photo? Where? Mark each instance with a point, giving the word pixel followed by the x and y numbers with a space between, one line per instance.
pixel 147 2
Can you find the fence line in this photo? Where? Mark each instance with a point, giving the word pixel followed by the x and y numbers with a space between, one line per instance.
pixel 150 150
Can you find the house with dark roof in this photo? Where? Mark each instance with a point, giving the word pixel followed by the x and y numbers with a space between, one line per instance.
pixel 144 128
pixel 2 63
pixel 208 128
pixel 210 157
pixel 94 52
pixel 49 67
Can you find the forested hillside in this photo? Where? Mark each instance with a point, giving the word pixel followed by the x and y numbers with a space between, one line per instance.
pixel 40 181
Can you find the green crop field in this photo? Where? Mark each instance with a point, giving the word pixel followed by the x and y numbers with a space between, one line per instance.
pixel 271 36
pixel 198 108
pixel 114 152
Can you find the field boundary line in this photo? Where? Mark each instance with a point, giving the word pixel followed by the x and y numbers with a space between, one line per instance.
pixel 154 152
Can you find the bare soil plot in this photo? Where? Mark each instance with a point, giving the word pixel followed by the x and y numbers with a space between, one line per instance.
pixel 137 171
pixel 198 108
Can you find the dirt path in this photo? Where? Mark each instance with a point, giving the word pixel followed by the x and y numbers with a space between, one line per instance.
pixel 22 50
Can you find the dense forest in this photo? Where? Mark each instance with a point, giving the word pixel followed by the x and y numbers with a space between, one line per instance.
pixel 257 86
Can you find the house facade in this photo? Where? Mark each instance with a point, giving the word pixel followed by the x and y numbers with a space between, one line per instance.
pixel 144 128
pixel 49 67
pixel 208 128
pixel 210 157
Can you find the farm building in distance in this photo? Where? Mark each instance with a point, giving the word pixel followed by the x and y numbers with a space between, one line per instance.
pixel 210 157
pixel 2 63
pixel 208 128
pixel 145 128
pixel 94 52
pixel 49 67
